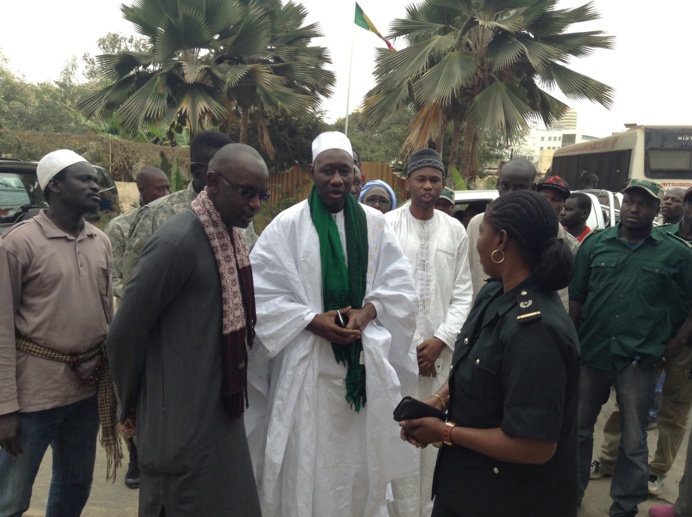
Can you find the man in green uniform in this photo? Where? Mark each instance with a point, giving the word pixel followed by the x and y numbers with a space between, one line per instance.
pixel 619 301
pixel 676 398
pixel 202 148
pixel 152 184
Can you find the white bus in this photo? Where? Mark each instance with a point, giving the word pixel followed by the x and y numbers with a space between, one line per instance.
pixel 659 153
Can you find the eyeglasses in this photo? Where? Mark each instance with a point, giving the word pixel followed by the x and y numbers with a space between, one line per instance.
pixel 246 193
pixel 377 200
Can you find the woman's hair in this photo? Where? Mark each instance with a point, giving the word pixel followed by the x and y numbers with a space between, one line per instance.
pixel 531 224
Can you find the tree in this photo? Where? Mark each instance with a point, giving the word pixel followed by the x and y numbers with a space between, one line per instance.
pixel 111 43
pixel 481 65
pixel 206 59
pixel 47 107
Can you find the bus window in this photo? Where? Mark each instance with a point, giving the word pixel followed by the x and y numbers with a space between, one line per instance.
pixel 672 163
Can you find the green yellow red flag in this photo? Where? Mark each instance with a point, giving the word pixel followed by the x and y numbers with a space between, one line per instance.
pixel 362 20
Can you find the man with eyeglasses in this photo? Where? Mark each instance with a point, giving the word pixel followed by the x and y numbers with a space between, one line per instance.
pixel 179 348
pixel 202 148
pixel 335 313
pixel 437 246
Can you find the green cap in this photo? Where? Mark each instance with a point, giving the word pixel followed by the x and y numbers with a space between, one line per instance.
pixel 653 189
pixel 448 194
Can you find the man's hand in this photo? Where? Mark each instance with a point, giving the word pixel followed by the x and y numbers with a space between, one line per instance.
pixel 129 427
pixel 9 434
pixel 358 319
pixel 323 325
pixel 428 352
pixel 673 348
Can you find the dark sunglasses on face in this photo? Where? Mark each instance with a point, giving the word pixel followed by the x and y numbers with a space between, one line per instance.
pixel 246 193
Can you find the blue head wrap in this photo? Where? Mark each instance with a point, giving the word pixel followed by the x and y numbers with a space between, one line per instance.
pixel 378 183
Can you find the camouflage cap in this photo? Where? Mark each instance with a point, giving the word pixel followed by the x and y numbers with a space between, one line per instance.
pixel 448 194
pixel 652 188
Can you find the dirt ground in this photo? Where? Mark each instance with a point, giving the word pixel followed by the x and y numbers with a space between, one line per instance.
pixel 129 195
pixel 116 500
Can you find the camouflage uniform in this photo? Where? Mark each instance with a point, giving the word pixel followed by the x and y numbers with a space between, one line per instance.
pixel 570 240
pixel 149 218
pixel 118 231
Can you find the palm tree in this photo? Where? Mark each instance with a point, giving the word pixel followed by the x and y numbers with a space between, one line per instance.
pixel 207 58
pixel 482 65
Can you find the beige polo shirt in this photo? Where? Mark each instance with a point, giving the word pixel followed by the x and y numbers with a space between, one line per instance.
pixel 55 289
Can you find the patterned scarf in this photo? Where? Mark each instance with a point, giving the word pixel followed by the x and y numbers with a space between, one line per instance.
pixel 105 392
pixel 238 301
pixel 344 285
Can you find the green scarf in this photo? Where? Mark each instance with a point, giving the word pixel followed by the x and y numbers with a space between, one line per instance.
pixel 343 286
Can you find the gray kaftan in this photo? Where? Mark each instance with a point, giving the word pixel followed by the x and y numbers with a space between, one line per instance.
pixel 165 348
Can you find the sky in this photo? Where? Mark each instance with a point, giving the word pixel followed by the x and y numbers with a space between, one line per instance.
pixel 647 67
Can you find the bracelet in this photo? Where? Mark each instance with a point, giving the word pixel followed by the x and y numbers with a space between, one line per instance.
pixel 444 406
pixel 447 433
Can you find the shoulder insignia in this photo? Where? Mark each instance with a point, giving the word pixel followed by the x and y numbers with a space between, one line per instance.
pixel 528 309
pixel 678 238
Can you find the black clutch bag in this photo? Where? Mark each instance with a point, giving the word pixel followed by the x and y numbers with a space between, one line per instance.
pixel 410 409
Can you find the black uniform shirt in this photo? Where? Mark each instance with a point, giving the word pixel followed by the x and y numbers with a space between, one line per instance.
pixel 515 366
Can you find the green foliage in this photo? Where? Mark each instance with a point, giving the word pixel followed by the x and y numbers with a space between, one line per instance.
pixel 381 144
pixel 176 177
pixel 121 157
pixel 481 66
pixel 459 183
pixel 291 136
pixel 208 63
pixel 44 106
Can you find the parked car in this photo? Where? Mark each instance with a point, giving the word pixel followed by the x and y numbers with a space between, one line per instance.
pixel 463 198
pixel 21 197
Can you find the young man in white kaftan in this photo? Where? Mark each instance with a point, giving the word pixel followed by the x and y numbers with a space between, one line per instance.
pixel 325 442
pixel 437 246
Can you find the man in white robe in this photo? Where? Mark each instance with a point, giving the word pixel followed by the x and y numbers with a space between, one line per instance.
pixel 314 454
pixel 437 246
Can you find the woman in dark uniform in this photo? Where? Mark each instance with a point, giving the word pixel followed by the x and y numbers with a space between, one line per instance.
pixel 510 442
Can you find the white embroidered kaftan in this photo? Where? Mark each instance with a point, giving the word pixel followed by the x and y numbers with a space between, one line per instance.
pixel 313 454
pixel 438 250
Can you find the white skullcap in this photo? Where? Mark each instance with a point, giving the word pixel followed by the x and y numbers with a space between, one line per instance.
pixel 331 140
pixel 54 162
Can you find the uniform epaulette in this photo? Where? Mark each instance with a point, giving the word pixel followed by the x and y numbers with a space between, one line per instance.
pixel 528 309
pixel 592 232
pixel 678 238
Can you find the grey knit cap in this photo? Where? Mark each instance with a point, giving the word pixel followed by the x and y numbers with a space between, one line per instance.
pixel 424 158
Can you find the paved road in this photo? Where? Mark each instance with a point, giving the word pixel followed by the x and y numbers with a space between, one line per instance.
pixel 116 500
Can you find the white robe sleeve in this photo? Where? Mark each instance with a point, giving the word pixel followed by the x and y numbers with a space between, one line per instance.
pixel 460 301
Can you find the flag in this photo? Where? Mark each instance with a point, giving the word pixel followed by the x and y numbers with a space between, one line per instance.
pixel 363 21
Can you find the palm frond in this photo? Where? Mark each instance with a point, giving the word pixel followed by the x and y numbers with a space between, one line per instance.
pixel 499 107
pixel 428 124
pixel 577 86
pixel 440 83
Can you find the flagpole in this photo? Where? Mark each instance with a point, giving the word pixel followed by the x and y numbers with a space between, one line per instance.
pixel 350 68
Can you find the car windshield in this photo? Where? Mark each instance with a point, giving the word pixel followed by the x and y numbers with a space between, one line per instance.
pixel 18 193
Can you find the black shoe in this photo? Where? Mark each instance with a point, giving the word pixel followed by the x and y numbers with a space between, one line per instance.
pixel 132 475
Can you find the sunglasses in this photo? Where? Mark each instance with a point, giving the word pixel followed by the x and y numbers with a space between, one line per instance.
pixel 246 193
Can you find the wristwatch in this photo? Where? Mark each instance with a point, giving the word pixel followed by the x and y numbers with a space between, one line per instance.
pixel 447 433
